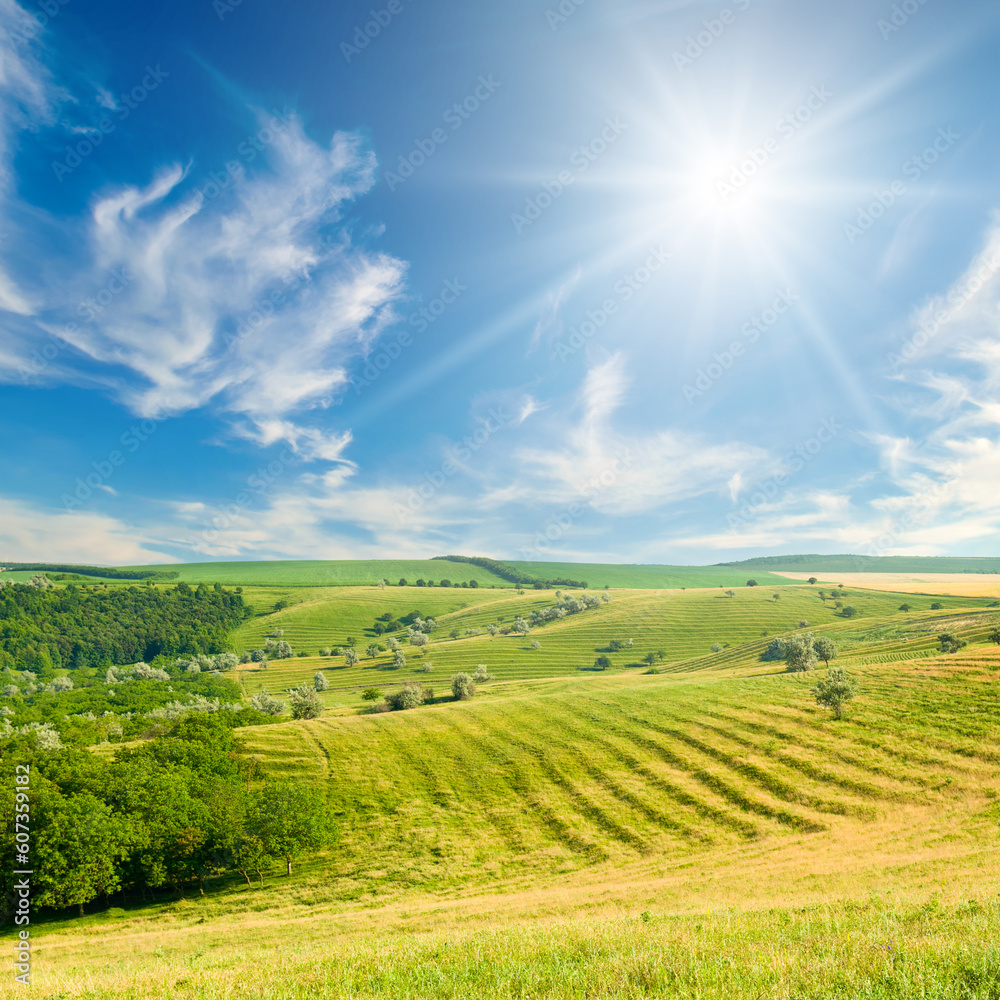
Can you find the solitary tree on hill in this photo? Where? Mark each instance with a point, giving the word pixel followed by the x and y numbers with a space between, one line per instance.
pixel 826 649
pixel 836 690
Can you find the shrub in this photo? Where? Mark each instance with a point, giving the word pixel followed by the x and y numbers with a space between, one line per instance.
pixel 462 687
pixel 305 703
pixel 904 607
pixel 994 635
pixel 482 674
pixel 492 629
pixel 325 651
pixel 803 623
pixel 936 606
pixel 427 668
pixel 418 639
pixel 950 643
pixel 371 694
pixel 412 695
pixel 320 682
pixel 775 651
pixel 267 704
pixel 716 647
pixel 535 644
pixel 850 611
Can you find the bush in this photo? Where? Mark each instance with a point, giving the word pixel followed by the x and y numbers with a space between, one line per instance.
pixel 267 704
pixel 305 703
pixel 462 687
pixel 371 694
pixel 320 682
pixel 950 643
pixel 850 611
pixel 535 644
pixel 482 674
pixel 904 607
pixel 716 647
pixel 412 695
pixel 418 639
pixel 936 606
pixel 776 651
pixel 803 623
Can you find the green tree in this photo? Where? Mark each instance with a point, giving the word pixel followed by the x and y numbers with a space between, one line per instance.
pixel 825 649
pixel 77 845
pixel 994 635
pixel 751 583
pixel 305 703
pixel 812 579
pixel 289 818
pixel 602 662
pixel 835 690
pixel 850 611
pixel 320 682
pixel 800 653
pixel 371 694
pixel 730 593
pixel 951 643
pixel 462 687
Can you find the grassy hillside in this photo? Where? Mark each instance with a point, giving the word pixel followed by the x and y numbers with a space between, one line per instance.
pixel 680 625
pixel 329 573
pixel 680 835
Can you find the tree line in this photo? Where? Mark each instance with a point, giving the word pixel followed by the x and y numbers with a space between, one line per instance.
pixel 161 818
pixel 46 628
pixel 514 575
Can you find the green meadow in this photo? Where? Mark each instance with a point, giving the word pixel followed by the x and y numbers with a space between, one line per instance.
pixel 685 823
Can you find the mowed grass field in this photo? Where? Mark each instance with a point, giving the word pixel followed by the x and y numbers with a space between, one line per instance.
pixel 699 833
pixel 680 625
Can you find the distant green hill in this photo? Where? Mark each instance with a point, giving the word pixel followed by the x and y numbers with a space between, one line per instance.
pixel 646 577
pixel 870 564
pixel 330 572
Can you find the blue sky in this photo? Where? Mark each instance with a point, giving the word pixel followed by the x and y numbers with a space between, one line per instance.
pixel 622 281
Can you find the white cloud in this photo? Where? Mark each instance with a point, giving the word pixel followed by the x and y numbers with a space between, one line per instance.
pixel 26 97
pixel 28 534
pixel 621 474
